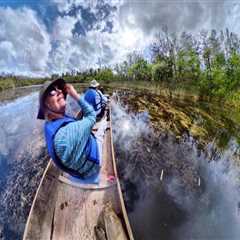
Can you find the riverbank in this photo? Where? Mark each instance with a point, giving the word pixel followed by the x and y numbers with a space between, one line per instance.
pixel 14 93
pixel 11 83
pixel 177 89
pixel 16 82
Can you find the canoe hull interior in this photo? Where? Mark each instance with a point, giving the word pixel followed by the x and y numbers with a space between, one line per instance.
pixel 64 211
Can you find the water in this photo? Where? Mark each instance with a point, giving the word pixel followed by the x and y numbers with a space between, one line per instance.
pixel 21 159
pixel 198 196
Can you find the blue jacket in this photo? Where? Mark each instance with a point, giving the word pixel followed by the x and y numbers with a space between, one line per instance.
pixel 95 98
pixel 91 148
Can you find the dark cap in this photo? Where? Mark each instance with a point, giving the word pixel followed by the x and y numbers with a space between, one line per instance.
pixel 60 83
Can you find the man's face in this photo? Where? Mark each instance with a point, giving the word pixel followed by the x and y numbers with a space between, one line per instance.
pixel 55 100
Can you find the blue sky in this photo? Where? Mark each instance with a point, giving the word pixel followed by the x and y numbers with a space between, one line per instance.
pixel 42 37
pixel 44 8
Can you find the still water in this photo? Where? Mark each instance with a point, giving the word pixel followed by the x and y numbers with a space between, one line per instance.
pixel 21 158
pixel 173 189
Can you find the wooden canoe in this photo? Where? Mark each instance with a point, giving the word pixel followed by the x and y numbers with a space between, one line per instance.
pixel 65 210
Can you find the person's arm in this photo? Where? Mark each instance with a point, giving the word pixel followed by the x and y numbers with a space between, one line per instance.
pixel 88 111
pixel 104 98
pixel 71 139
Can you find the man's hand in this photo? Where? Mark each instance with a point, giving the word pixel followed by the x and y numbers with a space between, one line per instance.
pixel 69 89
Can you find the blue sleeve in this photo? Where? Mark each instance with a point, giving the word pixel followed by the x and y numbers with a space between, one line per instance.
pixel 89 115
pixel 70 140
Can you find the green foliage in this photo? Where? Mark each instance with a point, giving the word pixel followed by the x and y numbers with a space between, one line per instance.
pixel 233 72
pixel 219 60
pixel 140 70
pixel 159 71
pixel 219 85
pixel 188 65
pixel 75 79
pixel 6 83
pixel 12 82
pixel 105 75
pixel 223 78
pixel 28 81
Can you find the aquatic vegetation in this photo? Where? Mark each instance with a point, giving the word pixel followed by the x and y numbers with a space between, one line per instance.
pixel 205 121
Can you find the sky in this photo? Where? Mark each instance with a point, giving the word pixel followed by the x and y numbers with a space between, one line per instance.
pixel 43 37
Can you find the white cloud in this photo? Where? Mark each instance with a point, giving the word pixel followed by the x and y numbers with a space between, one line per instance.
pixel 179 15
pixel 233 21
pixel 81 52
pixel 27 47
pixel 24 42
pixel 65 6
pixel 63 28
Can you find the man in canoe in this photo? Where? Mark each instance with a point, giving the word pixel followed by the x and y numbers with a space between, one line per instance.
pixel 96 98
pixel 70 143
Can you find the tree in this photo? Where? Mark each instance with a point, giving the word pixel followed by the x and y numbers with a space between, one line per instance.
pixel 188 65
pixel 141 70
pixel 159 71
pixel 105 75
pixel 233 72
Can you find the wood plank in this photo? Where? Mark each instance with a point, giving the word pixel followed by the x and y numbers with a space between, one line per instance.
pixel 120 195
pixel 77 210
pixel 40 218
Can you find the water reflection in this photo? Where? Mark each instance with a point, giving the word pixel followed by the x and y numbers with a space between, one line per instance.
pixel 198 197
pixel 21 147
pixel 204 121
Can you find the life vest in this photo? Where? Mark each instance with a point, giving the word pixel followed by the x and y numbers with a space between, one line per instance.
pixel 91 148
pixel 90 97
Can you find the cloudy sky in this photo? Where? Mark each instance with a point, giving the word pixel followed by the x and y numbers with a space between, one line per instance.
pixel 41 37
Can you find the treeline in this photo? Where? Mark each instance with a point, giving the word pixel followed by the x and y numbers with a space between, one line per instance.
pixel 104 74
pixel 14 81
pixel 208 62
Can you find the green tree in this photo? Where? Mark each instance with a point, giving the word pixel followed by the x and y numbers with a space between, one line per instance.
pixel 188 65
pixel 141 70
pixel 160 71
pixel 233 72
pixel 105 75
